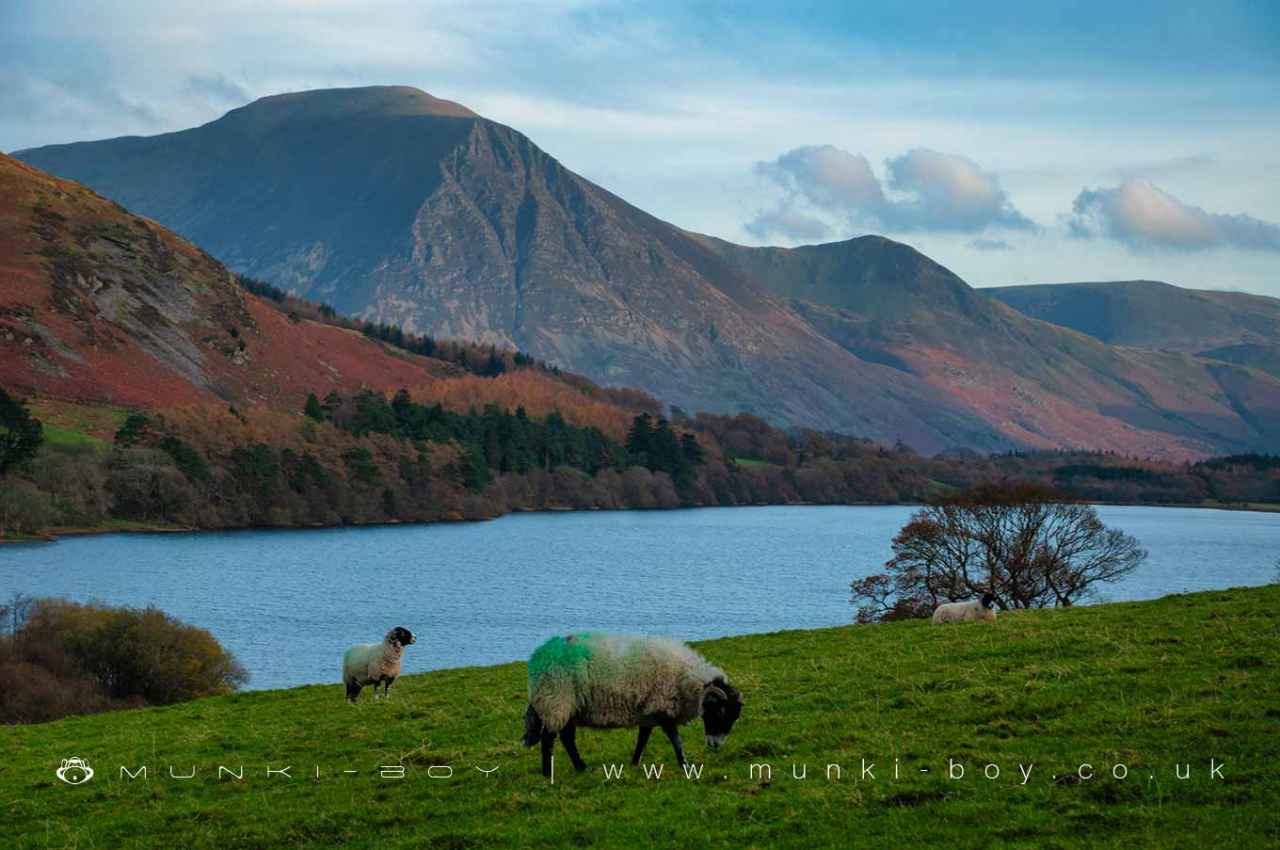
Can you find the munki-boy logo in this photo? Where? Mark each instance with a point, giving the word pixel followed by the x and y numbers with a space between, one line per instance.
pixel 74 771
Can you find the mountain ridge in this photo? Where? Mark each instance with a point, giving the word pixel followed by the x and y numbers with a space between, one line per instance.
pixel 456 225
pixel 1237 327
pixel 101 305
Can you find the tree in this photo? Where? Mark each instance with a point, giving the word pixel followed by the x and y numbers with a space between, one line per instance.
pixel 640 441
pixel 20 434
pixel 1021 542
pixel 313 410
pixel 692 450
pixel 24 508
pixel 136 428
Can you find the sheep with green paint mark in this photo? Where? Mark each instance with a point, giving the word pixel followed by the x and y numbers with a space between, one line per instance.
pixel 603 681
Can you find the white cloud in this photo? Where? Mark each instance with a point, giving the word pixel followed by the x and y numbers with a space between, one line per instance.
pixel 828 177
pixel 948 192
pixel 928 191
pixel 1143 216
pixel 785 222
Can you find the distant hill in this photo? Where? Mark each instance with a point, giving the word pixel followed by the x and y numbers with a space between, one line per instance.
pixel 1148 313
pixel 401 208
pixel 886 302
pixel 1233 326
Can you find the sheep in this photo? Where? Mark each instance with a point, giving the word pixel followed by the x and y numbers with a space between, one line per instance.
pixel 375 663
pixel 959 612
pixel 603 681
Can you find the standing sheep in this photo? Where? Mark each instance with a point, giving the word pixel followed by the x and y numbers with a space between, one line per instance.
pixel 959 612
pixel 604 681
pixel 374 663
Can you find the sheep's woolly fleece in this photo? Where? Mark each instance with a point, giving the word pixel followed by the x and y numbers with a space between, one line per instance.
pixel 612 681
pixel 959 612
pixel 369 662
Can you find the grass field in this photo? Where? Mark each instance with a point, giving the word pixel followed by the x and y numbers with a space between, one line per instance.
pixel 71 423
pixel 1150 686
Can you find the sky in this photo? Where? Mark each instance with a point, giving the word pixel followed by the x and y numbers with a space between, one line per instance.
pixel 1064 142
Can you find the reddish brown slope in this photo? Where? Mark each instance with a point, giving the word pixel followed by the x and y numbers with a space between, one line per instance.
pixel 98 304
pixel 397 208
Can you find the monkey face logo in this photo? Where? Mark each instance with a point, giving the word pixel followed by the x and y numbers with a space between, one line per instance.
pixel 74 771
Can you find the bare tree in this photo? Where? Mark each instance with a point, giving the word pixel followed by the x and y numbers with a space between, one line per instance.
pixel 13 613
pixel 1021 542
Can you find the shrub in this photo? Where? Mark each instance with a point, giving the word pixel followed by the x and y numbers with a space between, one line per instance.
pixel 24 508
pixel 95 657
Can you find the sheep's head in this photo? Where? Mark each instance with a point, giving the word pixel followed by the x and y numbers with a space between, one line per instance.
pixel 988 601
pixel 400 635
pixel 721 705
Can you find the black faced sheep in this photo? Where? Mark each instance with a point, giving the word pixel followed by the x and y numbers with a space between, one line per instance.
pixel 959 612
pixel 375 663
pixel 603 681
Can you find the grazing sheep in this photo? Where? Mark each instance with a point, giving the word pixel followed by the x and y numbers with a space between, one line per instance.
pixel 604 681
pixel 959 612
pixel 374 663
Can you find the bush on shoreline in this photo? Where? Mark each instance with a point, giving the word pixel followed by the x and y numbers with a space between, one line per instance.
pixel 66 658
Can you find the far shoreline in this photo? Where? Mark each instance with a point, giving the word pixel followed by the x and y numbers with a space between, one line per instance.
pixel 55 534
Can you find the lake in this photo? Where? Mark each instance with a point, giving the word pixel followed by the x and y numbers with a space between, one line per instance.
pixel 288 603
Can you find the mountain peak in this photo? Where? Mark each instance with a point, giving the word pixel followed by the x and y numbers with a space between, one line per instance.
pixel 347 102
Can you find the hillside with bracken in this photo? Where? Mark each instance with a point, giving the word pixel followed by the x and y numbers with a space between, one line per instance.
pixel 164 391
pixel 101 305
pixel 142 385
pixel 403 209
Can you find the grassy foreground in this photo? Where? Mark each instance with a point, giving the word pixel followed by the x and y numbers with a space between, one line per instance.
pixel 1148 685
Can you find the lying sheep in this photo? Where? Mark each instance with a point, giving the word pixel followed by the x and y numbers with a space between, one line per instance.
pixel 603 681
pixel 959 612
pixel 374 663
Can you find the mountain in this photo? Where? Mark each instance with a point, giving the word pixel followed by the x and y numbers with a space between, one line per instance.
pixel 401 208
pixel 1232 326
pixel 101 305
pixel 884 301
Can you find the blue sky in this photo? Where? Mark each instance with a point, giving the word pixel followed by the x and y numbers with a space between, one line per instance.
pixel 1082 141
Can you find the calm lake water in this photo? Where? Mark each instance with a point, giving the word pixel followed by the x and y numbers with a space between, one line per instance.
pixel 289 602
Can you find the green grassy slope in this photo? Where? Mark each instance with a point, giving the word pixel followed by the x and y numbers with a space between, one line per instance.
pixel 1151 685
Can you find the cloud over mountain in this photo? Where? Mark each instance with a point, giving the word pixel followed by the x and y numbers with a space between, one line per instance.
pixel 785 219
pixel 925 191
pixel 1143 216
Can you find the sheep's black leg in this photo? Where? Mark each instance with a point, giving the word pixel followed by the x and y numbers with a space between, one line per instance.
pixel 568 737
pixel 387 685
pixel 548 746
pixel 353 691
pixel 673 735
pixel 641 740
